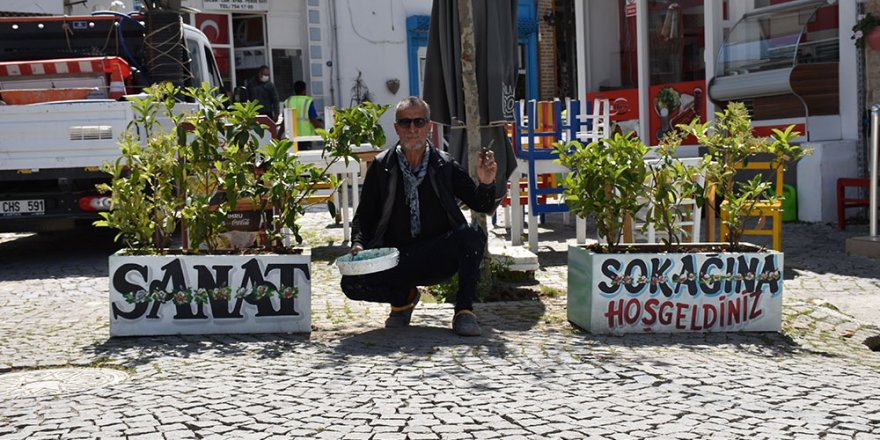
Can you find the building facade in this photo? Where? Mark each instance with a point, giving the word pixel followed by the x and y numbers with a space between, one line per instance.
pixel 661 62
pixel 664 62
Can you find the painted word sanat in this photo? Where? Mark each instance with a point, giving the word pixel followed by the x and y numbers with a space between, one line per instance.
pixel 200 294
pixel 690 292
pixel 171 280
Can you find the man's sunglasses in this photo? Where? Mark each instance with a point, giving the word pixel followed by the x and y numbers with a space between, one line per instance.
pixel 406 122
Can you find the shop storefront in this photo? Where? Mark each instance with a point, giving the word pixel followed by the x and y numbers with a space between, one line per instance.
pixel 665 62
pixel 247 34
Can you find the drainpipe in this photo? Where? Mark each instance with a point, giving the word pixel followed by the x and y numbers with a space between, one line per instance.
pixel 334 69
pixel 872 179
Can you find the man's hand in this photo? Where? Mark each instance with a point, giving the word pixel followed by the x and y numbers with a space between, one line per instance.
pixel 486 167
pixel 356 248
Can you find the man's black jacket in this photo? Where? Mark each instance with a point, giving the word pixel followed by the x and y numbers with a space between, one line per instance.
pixel 446 177
pixel 266 95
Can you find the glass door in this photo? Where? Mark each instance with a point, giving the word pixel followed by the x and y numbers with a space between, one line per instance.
pixel 251 50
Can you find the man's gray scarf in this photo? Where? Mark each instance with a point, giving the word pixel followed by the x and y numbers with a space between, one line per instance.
pixel 411 181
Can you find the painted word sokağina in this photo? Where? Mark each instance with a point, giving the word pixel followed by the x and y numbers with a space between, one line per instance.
pixel 715 276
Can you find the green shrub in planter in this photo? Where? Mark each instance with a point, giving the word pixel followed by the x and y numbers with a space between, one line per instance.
pixel 730 141
pixel 607 181
pixel 200 168
pixel 206 162
pixel 672 287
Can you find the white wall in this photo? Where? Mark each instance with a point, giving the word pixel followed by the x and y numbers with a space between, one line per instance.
pixel 55 7
pixel 849 99
pixel 286 23
pixel 372 39
pixel 817 176
pixel 97 5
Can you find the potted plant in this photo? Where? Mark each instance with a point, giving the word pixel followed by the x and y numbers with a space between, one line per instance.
pixel 203 170
pixel 671 287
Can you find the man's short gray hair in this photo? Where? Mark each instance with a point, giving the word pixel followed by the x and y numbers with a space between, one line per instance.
pixel 412 101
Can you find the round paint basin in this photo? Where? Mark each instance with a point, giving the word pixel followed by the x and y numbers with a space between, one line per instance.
pixel 368 261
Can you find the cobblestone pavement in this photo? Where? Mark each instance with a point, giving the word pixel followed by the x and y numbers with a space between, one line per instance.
pixel 532 375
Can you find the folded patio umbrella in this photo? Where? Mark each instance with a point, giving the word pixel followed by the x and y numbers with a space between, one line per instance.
pixel 495 39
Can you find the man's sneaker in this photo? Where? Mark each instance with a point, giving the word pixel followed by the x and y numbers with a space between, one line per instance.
pixel 400 316
pixel 464 323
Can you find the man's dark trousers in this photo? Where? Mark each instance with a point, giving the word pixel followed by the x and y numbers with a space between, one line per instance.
pixel 426 263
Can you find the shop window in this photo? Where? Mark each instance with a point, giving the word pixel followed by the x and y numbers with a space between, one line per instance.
pixel 675 33
pixel 676 64
pixel 287 68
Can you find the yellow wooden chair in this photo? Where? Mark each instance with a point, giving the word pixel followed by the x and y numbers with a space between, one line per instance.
pixel 763 209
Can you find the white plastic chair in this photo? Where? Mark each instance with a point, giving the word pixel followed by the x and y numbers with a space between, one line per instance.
pixel 693 221
pixel 598 118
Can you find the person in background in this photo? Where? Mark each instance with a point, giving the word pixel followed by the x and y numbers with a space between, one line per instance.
pixel 262 90
pixel 408 202
pixel 306 116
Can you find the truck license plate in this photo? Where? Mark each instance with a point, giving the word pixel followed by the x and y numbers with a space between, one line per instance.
pixel 22 207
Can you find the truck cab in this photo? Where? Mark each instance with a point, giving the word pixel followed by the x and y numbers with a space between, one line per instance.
pixel 201 59
pixel 64 81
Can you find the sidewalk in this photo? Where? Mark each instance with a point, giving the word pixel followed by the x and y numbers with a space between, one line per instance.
pixel 532 375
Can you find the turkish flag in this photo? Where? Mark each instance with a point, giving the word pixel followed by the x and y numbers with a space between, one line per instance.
pixel 214 26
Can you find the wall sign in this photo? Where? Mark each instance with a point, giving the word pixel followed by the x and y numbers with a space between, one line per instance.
pixel 236 5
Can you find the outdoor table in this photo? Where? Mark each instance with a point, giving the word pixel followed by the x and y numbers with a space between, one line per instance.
pixel 347 173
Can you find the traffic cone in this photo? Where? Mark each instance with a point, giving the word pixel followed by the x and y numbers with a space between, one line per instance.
pixel 117 86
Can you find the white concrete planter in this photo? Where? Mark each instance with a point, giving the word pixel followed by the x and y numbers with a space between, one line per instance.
pixel 660 292
pixel 203 294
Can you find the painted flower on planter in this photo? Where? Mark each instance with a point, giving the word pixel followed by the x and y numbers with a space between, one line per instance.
pixel 182 297
pixel 864 25
pixel 289 293
pixel 222 293
pixel 704 278
pixel 201 296
pixel 261 291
